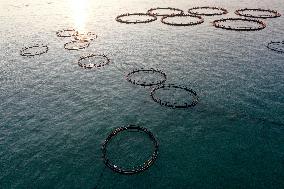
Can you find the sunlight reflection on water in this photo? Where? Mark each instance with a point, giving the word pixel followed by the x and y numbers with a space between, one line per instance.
pixel 79 14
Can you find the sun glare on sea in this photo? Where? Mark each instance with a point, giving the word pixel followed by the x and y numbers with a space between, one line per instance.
pixel 78 9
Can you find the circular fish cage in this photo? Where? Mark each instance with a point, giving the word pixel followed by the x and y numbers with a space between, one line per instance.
pixel 165 20
pixel 37 49
pixel 173 10
pixel 257 13
pixel 196 11
pixel 100 60
pixel 277 46
pixel 174 104
pixel 76 45
pixel 85 36
pixel 220 24
pixel 150 18
pixel 66 33
pixel 148 72
pixel 123 169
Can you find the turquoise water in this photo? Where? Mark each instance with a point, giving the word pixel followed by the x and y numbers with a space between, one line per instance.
pixel 54 115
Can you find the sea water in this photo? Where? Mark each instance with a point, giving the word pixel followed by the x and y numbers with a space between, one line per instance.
pixel 55 115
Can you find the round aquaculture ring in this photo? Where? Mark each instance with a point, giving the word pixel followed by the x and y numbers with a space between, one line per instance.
pixel 190 92
pixel 195 11
pixel 103 60
pixel 76 45
pixel 276 46
pixel 219 24
pixel 150 18
pixel 260 13
pixel 85 36
pixel 34 50
pixel 161 74
pixel 173 10
pixel 165 19
pixel 66 33
pixel 136 169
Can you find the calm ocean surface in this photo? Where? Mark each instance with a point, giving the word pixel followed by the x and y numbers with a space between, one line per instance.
pixel 54 115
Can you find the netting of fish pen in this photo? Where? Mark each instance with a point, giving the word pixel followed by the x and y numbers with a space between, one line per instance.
pixel 153 77
pixel 177 97
pixel 132 130
pixel 257 13
pixel 147 18
pixel 93 61
pixel 196 20
pixel 76 45
pixel 66 33
pixel 277 46
pixel 167 11
pixel 89 36
pixel 34 50
pixel 258 25
pixel 214 11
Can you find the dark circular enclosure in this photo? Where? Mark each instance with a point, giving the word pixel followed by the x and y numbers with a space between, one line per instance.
pixel 43 49
pixel 174 104
pixel 199 20
pixel 92 65
pixel 274 46
pixel 66 33
pixel 150 19
pixel 136 169
pixel 194 11
pixel 218 24
pixel 76 45
pixel 146 71
pixel 267 13
pixel 150 11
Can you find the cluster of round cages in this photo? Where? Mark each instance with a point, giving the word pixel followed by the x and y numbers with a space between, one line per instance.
pixel 34 50
pixel 277 46
pixel 193 100
pixel 161 74
pixel 80 41
pixel 216 11
pixel 246 12
pixel 150 18
pixel 220 24
pixel 123 169
pixel 102 60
